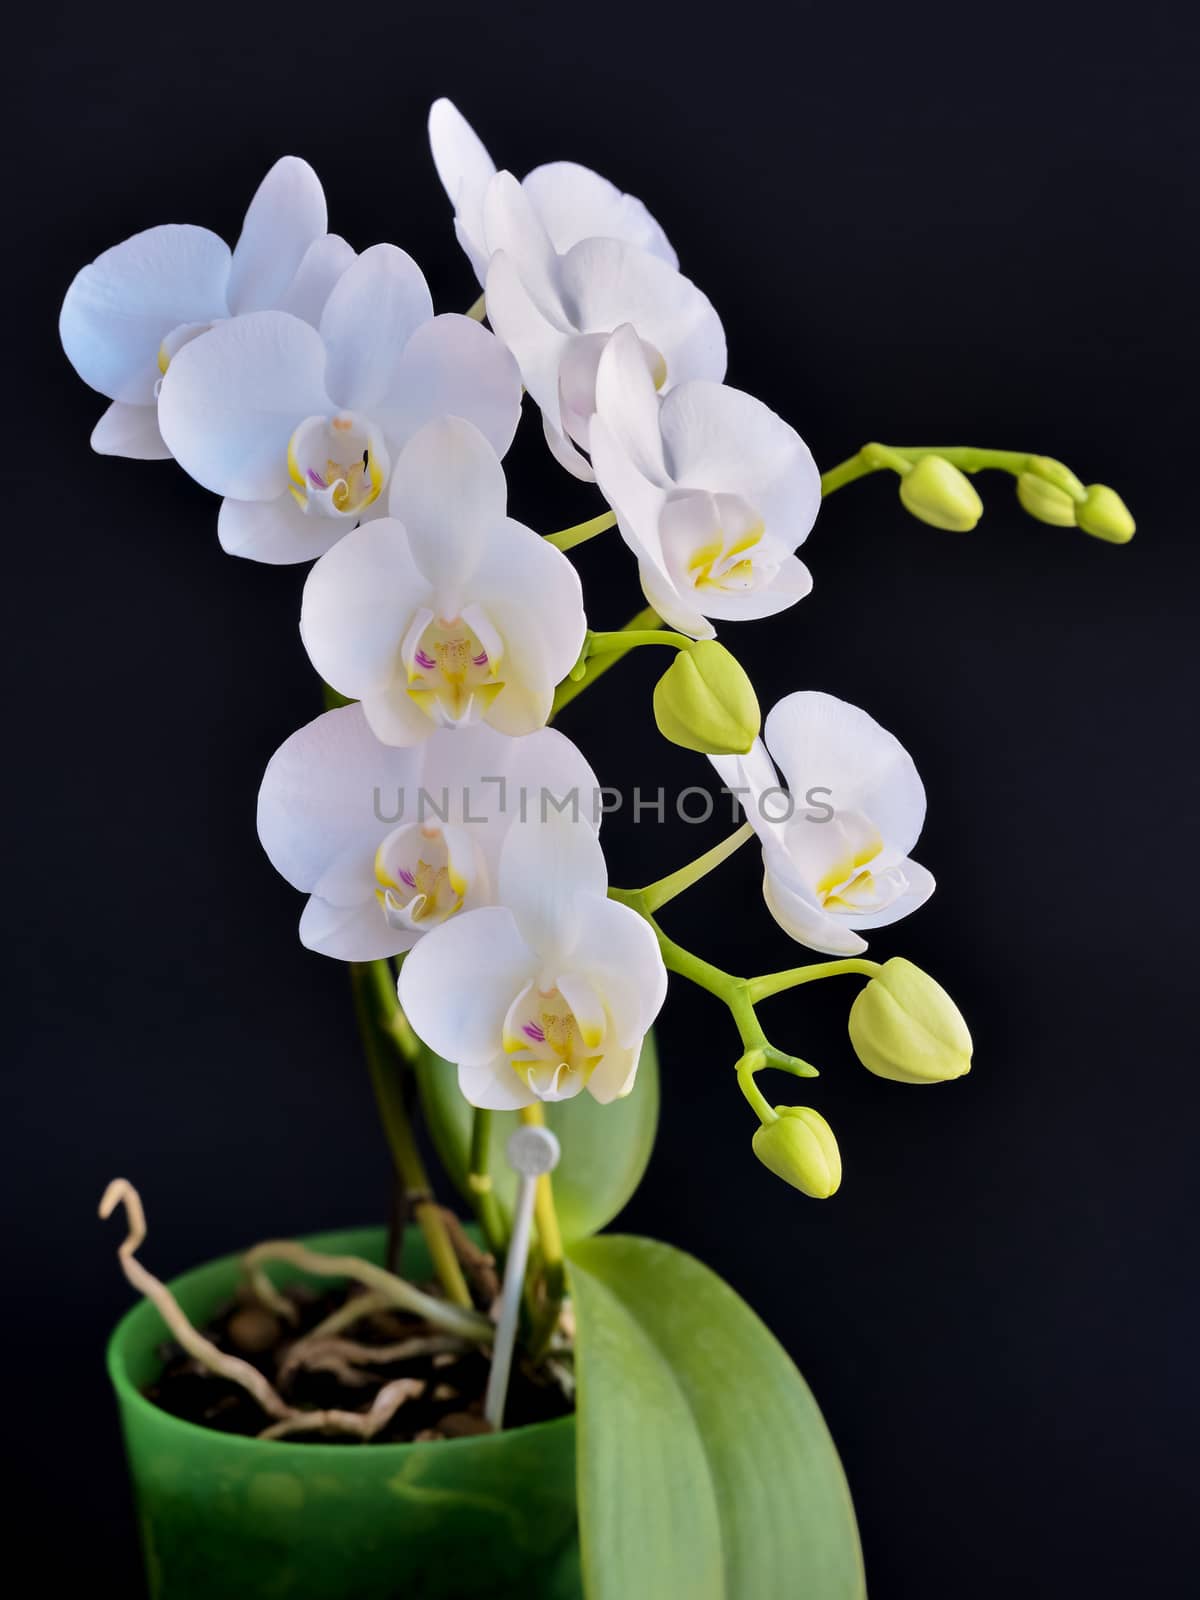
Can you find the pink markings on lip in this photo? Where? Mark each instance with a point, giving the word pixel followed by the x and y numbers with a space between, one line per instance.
pixel 532 1031
pixel 316 479
pixel 407 877
pixel 481 659
pixel 424 660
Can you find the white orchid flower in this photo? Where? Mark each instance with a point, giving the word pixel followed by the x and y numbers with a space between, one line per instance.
pixel 128 313
pixel 571 202
pixel 555 312
pixel 447 612
pixel 297 426
pixel 389 843
pixel 713 492
pixel 547 993
pixel 835 846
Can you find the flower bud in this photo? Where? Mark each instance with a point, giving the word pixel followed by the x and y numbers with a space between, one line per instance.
pixel 938 493
pixel 1055 473
pixel 1105 515
pixel 800 1148
pixel 704 701
pixel 1045 501
pixel 905 1026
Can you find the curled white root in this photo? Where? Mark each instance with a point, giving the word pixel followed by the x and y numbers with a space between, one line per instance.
pixel 468 1327
pixel 202 1350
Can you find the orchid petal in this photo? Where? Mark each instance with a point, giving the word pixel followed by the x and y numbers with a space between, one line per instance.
pixel 822 742
pixel 453 367
pixel 351 933
pixel 321 266
pixel 518 564
pixel 286 214
pixel 614 1074
pixel 720 439
pixel 618 952
pixel 130 431
pixel 357 601
pixel 231 400
pixel 537 342
pixel 373 310
pixel 628 401
pixel 465 169
pixel 512 225
pixel 494 1086
pixel 276 532
pixel 322 794
pixel 607 282
pixel 459 980
pixel 800 916
pixel 448 489
pixel 119 309
pixel 575 203
pixel 550 864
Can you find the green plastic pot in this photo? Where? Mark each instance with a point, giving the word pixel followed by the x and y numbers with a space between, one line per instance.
pixel 229 1518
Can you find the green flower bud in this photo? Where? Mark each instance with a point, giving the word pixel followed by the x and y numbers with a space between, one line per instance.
pixel 1105 515
pixel 704 701
pixel 800 1149
pixel 938 493
pixel 1046 501
pixel 905 1026
pixel 1056 475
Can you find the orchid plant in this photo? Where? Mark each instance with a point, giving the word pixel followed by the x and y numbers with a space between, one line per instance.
pixel 449 840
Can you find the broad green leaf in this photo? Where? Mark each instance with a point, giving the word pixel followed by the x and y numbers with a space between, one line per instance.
pixel 704 1466
pixel 605 1149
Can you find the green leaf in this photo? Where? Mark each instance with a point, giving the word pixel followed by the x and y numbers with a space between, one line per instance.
pixel 704 1466
pixel 605 1149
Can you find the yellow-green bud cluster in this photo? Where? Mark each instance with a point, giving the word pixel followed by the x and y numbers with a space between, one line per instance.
pixel 1052 493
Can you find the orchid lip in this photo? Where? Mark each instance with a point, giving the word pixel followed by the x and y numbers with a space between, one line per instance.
pixel 337 466
pixel 452 665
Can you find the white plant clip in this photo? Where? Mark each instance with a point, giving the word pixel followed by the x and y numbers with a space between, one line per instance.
pixel 532 1153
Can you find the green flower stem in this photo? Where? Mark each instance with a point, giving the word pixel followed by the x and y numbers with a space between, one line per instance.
pixel 735 992
pixel 603 644
pixel 776 982
pixel 658 893
pixel 479 1181
pixel 550 1242
pixel 593 666
pixel 765 1113
pixel 368 987
pixel 899 458
pixel 581 532
pixel 478 311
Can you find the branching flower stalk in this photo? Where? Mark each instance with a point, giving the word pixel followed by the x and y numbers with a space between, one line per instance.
pixel 345 424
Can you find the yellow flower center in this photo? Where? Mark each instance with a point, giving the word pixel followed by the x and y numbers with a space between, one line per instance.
pixel 453 673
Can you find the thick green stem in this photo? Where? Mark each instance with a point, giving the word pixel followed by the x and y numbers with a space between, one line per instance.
pixel 876 457
pixel 368 989
pixel 595 665
pixel 550 1244
pixel 478 311
pixel 581 532
pixel 479 1181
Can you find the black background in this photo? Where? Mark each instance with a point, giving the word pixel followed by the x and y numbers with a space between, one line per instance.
pixel 941 223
